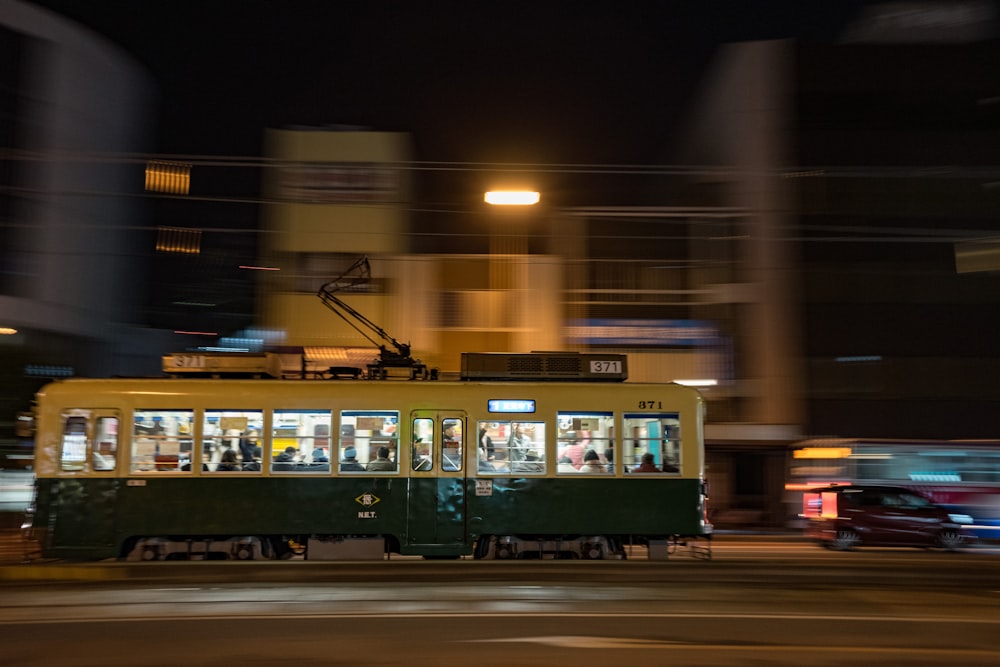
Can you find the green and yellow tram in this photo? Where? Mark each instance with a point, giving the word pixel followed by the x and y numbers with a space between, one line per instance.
pixel 173 468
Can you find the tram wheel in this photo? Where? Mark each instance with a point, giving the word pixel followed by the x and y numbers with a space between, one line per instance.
pixel 482 549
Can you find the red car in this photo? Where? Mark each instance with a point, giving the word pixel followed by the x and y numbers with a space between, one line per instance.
pixel 843 517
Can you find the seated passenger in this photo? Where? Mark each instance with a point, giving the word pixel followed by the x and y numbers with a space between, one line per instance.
pixel 285 460
pixel 350 462
pixel 592 463
pixel 647 464
pixel 228 462
pixel 319 462
pixel 669 466
pixel 254 463
pixel 531 463
pixel 382 462
pixel 566 465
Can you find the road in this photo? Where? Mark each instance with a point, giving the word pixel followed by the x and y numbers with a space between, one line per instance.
pixel 763 602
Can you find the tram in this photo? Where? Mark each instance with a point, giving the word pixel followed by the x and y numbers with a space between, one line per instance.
pixel 496 464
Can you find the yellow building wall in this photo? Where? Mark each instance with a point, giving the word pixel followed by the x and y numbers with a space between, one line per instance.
pixel 337 191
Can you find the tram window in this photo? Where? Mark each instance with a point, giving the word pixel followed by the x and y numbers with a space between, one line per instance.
pixel 422 454
pixel 654 434
pixel 74 444
pixel 104 455
pixel 451 444
pixel 363 433
pixel 236 431
pixel 161 440
pixel 587 440
pixel 506 447
pixel 78 445
pixel 308 432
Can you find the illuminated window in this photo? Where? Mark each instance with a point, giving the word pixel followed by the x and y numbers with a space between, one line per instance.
pixel 422 455
pixel 511 448
pixel 452 439
pixel 169 177
pixel 161 441
pixel 586 443
pixel 307 432
pixel 231 441
pixel 651 443
pixel 79 445
pixel 363 434
pixel 74 444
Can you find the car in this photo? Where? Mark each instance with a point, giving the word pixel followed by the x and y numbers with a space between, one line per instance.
pixel 846 516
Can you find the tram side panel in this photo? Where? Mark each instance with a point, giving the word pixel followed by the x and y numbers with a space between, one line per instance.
pixel 623 506
pixel 75 517
pixel 270 507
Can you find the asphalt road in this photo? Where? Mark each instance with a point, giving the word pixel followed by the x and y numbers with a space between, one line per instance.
pixel 757 602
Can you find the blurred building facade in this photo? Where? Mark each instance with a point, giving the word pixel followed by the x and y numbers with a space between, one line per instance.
pixel 679 289
pixel 71 277
pixel 865 164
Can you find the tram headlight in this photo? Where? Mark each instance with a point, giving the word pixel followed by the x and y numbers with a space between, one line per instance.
pixel 964 519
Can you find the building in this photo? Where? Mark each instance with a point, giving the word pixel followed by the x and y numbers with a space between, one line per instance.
pixel 71 261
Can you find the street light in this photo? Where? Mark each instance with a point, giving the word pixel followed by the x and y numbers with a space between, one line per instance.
pixel 512 198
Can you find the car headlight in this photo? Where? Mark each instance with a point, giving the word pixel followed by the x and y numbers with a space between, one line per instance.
pixel 960 518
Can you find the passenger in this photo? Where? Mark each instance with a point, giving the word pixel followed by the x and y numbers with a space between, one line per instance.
pixel 609 458
pixel 647 465
pixel 519 444
pixel 669 466
pixel 247 443
pixel 228 462
pixel 592 463
pixel 285 460
pixel 253 464
pixel 319 463
pixel 382 462
pixel 531 463
pixel 575 449
pixel 486 443
pixel 350 462
pixel 485 465
pixel 566 465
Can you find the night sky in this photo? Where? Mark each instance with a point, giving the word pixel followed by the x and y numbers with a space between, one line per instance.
pixel 535 82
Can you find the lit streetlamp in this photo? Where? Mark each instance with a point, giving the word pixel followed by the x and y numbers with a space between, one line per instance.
pixel 508 254
pixel 512 198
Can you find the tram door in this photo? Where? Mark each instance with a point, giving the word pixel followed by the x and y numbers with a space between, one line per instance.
pixel 436 504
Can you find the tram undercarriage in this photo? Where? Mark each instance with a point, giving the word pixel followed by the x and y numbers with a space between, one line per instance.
pixel 584 547
pixel 487 547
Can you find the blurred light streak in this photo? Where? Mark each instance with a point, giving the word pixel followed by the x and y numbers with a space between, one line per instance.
pixel 822 453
